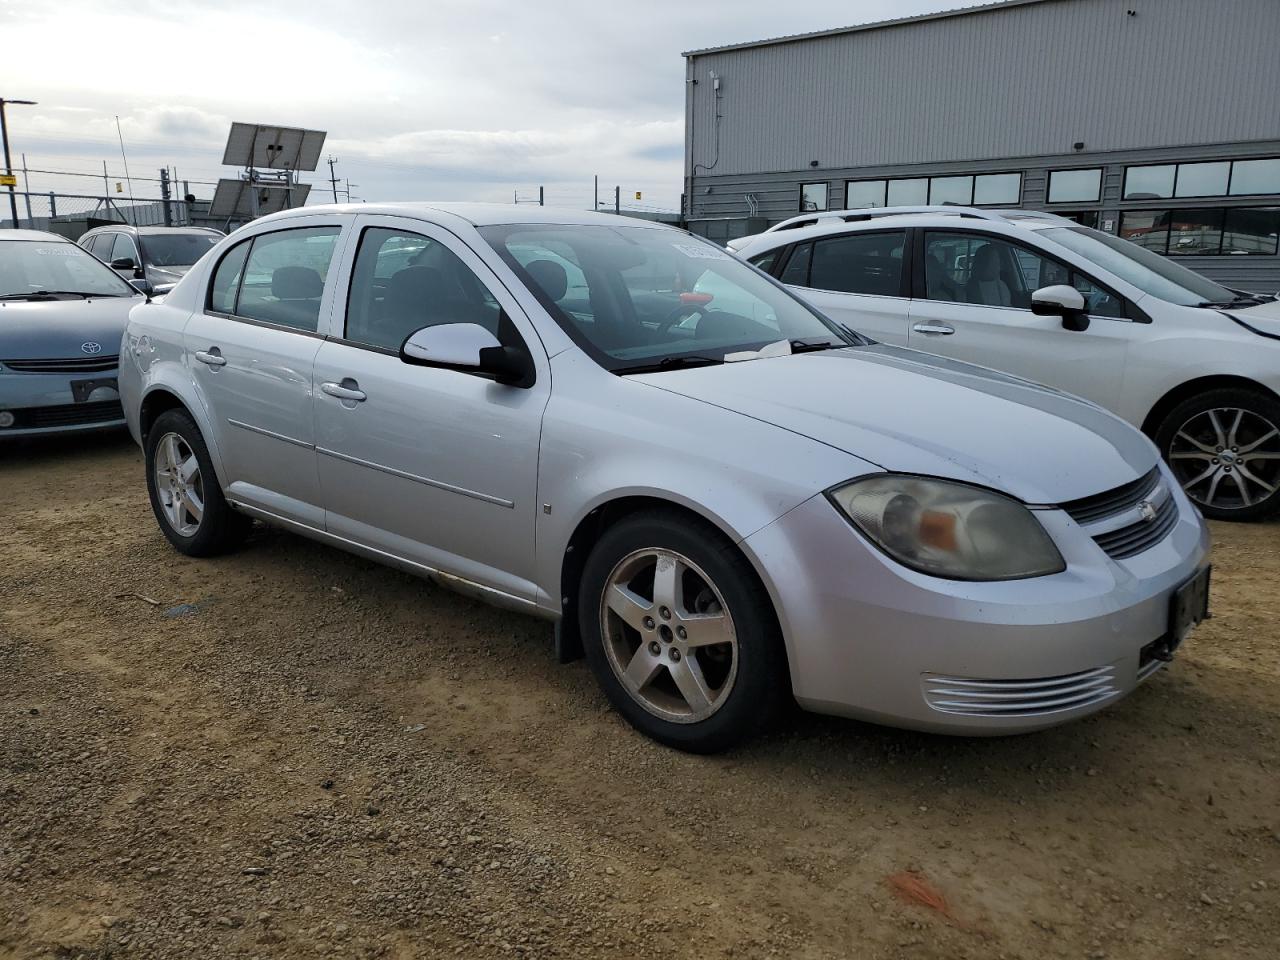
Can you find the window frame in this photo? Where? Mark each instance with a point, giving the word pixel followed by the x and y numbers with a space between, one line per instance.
pixel 1232 177
pixel 1132 313
pixel 334 263
pixel 884 192
pixel 826 201
pixel 1171 211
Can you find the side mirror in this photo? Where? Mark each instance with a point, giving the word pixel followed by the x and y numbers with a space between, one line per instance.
pixel 1062 301
pixel 123 263
pixel 468 348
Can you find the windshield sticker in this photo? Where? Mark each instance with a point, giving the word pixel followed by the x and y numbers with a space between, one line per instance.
pixel 58 251
pixel 701 251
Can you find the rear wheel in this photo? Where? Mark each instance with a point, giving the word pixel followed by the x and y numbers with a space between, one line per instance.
pixel 1224 448
pixel 680 634
pixel 185 495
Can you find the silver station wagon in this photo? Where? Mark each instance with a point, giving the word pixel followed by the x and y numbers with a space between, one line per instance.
pixel 721 497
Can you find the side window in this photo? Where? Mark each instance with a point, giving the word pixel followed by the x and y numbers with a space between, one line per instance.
pixel 403 282
pixel 765 261
pixel 226 278
pixel 124 247
pixel 868 263
pixel 1099 302
pixel 970 268
pixel 284 276
pixel 797 271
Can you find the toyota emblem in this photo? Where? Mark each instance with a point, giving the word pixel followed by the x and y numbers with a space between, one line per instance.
pixel 91 347
pixel 1147 511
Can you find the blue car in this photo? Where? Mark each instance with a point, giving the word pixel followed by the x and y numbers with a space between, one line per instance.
pixel 62 315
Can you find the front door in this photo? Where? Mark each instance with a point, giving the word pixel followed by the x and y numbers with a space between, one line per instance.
pixel 974 304
pixel 251 351
pixel 856 279
pixel 435 466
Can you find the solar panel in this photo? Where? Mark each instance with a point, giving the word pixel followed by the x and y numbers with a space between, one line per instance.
pixel 263 146
pixel 235 199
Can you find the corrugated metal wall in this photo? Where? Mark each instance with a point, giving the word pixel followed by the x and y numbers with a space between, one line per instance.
pixel 1016 82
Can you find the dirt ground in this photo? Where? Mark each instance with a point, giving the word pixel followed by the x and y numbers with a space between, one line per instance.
pixel 329 758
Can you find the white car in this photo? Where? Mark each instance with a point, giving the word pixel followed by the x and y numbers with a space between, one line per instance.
pixel 1194 364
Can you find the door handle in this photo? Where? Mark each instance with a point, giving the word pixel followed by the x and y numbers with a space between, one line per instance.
pixel 348 389
pixel 213 357
pixel 940 329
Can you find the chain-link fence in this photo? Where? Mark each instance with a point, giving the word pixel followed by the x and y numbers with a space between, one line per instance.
pixel 71 214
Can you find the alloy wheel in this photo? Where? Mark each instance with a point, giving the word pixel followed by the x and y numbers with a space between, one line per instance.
pixel 668 635
pixel 179 484
pixel 1227 458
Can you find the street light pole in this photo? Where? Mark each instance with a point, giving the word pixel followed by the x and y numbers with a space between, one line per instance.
pixel 8 163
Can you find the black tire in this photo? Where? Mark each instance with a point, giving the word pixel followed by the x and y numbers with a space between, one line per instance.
pixel 1189 441
pixel 220 528
pixel 761 682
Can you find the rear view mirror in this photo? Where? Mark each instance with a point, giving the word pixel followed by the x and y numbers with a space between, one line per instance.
pixel 1062 301
pixel 468 348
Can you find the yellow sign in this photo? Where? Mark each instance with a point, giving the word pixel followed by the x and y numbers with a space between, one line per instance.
pixel 119 187
pixel 8 180
pixel 637 194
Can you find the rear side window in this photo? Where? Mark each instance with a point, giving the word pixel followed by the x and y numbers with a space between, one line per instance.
pixel 765 261
pixel 867 263
pixel 797 272
pixel 124 247
pixel 283 277
pixel 226 279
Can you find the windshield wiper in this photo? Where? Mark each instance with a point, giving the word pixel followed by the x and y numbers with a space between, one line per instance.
pixel 1241 300
pixel 669 363
pixel 51 294
pixel 809 346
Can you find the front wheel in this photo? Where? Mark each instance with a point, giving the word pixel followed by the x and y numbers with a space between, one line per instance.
pixel 1224 448
pixel 680 633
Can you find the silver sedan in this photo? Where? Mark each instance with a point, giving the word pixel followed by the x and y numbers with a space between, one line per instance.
pixel 719 496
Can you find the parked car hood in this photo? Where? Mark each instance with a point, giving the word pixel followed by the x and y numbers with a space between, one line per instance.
pixel 909 412
pixel 1264 317
pixel 166 276
pixel 57 329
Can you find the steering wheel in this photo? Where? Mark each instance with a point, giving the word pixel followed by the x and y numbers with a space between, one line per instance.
pixel 680 313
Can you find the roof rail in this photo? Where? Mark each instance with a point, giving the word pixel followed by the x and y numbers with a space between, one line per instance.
pixel 954 209
pixel 1036 215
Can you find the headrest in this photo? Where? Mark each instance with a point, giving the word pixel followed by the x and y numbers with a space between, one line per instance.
pixel 550 276
pixel 296 283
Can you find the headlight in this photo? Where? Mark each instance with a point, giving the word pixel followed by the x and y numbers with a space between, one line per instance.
pixel 949 529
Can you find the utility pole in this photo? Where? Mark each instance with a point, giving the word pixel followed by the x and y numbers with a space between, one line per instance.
pixel 164 196
pixel 617 200
pixel 10 179
pixel 595 194
pixel 333 178
pixel 542 196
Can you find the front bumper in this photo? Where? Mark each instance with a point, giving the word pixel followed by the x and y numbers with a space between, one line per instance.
pixel 44 403
pixel 869 638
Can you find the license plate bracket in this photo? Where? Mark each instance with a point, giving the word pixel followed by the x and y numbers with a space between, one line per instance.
pixel 1188 606
pixel 81 389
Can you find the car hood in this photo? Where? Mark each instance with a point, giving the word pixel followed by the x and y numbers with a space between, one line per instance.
pixel 57 329
pixel 1264 317
pixel 166 276
pixel 912 413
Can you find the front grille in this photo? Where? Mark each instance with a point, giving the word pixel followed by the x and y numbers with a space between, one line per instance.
pixel 70 365
pixel 1141 532
pixel 1136 537
pixel 1019 698
pixel 66 415
pixel 1100 505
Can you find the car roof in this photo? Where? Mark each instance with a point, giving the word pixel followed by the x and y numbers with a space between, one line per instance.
pixel 1001 221
pixel 30 235
pixel 477 214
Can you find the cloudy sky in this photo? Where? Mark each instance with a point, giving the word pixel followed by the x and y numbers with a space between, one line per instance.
pixel 434 99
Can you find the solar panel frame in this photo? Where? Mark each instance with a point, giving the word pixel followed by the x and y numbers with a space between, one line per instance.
pixel 264 146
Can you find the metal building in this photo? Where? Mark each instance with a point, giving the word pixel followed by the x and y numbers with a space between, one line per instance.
pixel 1158 120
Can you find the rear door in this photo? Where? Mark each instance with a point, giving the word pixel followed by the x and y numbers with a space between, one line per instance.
pixel 858 279
pixel 252 351
pixel 973 303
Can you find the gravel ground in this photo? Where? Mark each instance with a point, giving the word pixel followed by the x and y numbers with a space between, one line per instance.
pixel 329 758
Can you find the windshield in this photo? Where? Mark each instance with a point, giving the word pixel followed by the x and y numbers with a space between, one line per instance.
pixel 176 249
pixel 1149 272
pixel 636 297
pixel 28 267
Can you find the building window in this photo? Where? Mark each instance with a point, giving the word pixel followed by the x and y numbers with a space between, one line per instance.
pixel 1202 179
pixel 1075 186
pixel 909 192
pixel 1149 183
pixel 951 190
pixel 1211 231
pixel 813 197
pixel 1255 176
pixel 1002 188
pixel 859 194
